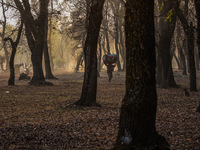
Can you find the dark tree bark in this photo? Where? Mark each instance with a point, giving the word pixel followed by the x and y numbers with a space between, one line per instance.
pixel 4 24
pixel 166 33
pixel 88 96
pixel 14 45
pixel 100 55
pixel 192 66
pixel 180 50
pixel 117 40
pixel 81 56
pixel 49 74
pixel 138 113
pixel 117 52
pixel 189 31
pixel 173 54
pixel 198 109
pixel 49 38
pixel 105 25
pixel 35 33
pixel 197 7
pixel 79 61
pixel 115 8
pixel 158 68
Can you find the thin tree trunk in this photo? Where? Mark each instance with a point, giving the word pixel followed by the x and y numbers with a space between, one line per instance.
pixel 100 55
pixel 3 36
pixel 88 96
pixel 192 66
pixel 105 23
pixel 49 39
pixel 180 50
pixel 166 34
pixel 79 61
pixel 189 31
pixel 177 61
pixel 14 45
pixel 122 49
pixel 197 7
pixel 197 60
pixel 11 80
pixel 116 43
pixel 49 74
pixel 198 108
pixel 158 68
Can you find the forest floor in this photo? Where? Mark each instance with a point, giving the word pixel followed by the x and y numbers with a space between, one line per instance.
pixel 44 117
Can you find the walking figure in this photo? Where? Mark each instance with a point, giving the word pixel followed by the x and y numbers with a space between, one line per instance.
pixel 110 60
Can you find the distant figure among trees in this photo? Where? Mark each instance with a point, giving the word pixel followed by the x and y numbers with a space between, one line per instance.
pixel 110 60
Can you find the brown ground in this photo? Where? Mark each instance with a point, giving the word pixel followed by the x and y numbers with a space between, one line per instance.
pixel 44 117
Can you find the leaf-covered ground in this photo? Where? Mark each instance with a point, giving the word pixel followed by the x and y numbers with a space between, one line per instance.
pixel 44 117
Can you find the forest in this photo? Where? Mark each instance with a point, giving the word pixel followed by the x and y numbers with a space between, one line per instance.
pixel 99 74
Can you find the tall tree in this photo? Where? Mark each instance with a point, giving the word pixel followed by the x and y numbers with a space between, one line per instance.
pixel 105 26
pixel 4 24
pixel 116 9
pixel 50 34
pixel 88 96
pixel 35 33
pixel 179 45
pixel 138 113
pixel 189 32
pixel 14 45
pixel 197 8
pixel 78 29
pixel 49 74
pixel 166 31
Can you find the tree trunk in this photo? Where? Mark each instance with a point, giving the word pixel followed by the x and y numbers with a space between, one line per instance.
pixel 180 50
pixel 197 60
pixel 105 24
pixel 177 61
pixel 192 66
pixel 11 80
pixel 3 36
pixel 79 61
pixel 198 109
pixel 189 31
pixel 117 42
pixel 14 45
pixel 88 96
pixel 138 113
pixel 49 74
pixel 49 38
pixel 1 63
pixel 197 7
pixel 173 53
pixel 158 68
pixel 166 33
pixel 100 55
pixel 35 33
pixel 36 58
pixel 122 49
